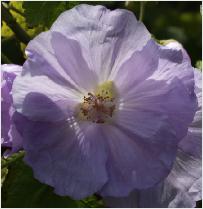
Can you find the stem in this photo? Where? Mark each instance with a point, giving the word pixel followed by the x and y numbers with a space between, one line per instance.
pixel 142 4
pixel 15 27
pixel 12 160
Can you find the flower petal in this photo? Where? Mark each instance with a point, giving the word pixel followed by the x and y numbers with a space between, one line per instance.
pixel 9 73
pixel 15 138
pixel 170 67
pixel 197 121
pixel 40 98
pixel 129 160
pixel 147 118
pixel 183 187
pixel 195 190
pixel 192 143
pixel 186 170
pixel 158 101
pixel 42 61
pixel 69 156
pixel 104 35
pixel 160 196
pixel 138 68
pixel 68 54
pixel 175 52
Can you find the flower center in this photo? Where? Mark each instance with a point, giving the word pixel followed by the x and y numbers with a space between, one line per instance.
pixel 98 107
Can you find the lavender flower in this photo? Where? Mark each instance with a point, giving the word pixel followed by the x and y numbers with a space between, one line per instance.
pixel 182 187
pixel 10 137
pixel 105 113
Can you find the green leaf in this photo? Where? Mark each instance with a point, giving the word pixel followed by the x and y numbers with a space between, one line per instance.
pixel 4 173
pixel 45 12
pixel 20 19
pixel 42 12
pixel 93 202
pixel 20 189
pixel 165 42
pixel 5 162
pixel 6 31
pixel 15 8
pixel 198 64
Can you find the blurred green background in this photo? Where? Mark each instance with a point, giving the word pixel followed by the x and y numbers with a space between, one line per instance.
pixel 21 21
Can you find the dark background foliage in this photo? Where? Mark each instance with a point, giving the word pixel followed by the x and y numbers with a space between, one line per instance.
pixel 22 21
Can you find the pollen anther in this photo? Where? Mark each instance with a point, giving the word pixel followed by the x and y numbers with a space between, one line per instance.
pixel 97 108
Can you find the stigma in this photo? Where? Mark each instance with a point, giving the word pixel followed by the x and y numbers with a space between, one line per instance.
pixel 99 106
